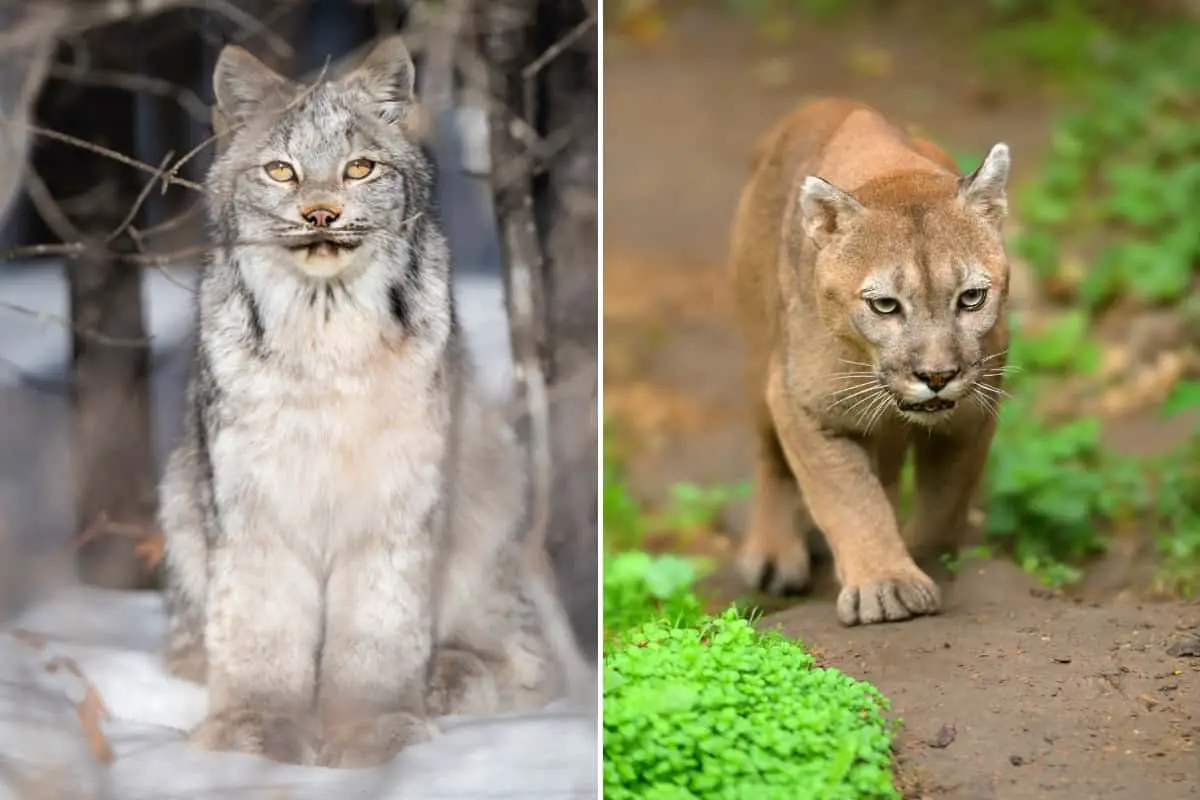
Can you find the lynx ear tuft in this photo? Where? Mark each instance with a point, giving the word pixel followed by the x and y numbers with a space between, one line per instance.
pixel 828 211
pixel 242 84
pixel 388 77
pixel 983 191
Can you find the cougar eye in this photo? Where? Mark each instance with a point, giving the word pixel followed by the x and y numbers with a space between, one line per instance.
pixel 280 171
pixel 359 168
pixel 972 299
pixel 884 306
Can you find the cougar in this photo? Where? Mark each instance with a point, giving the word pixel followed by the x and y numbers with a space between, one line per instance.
pixel 871 281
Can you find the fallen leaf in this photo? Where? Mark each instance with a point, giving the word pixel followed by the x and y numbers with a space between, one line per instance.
pixel 91 710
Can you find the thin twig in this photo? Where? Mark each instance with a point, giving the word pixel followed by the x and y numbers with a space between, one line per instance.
pixel 83 144
pixel 556 49
pixel 502 35
pixel 140 201
pixel 42 316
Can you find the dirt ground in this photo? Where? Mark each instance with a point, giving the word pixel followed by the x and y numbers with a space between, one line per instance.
pixel 1011 693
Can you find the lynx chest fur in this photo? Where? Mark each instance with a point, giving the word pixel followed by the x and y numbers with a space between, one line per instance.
pixel 871 282
pixel 334 437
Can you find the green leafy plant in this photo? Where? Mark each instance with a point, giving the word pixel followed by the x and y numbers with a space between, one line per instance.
pixel 1055 492
pixel 720 710
pixel 639 587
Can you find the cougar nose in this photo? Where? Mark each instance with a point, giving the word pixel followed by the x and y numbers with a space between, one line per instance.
pixel 936 379
pixel 320 216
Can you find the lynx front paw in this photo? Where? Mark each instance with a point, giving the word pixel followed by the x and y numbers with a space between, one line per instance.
pixel 888 596
pixel 461 684
pixel 777 564
pixel 360 743
pixel 275 736
pixel 189 662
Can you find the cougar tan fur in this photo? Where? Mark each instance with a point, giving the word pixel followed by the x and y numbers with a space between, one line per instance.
pixel 871 281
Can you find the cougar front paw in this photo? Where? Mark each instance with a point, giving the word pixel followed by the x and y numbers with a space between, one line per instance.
pixel 356 743
pixel 778 565
pixel 264 733
pixel 888 596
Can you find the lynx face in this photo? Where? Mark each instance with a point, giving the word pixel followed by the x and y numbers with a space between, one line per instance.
pixel 918 285
pixel 314 179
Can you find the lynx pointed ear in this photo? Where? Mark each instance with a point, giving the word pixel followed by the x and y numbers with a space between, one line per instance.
pixel 983 191
pixel 242 84
pixel 388 76
pixel 828 211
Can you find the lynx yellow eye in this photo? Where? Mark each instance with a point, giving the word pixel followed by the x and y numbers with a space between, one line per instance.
pixel 280 171
pixel 359 168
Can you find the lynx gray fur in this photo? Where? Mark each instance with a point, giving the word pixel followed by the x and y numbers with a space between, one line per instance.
pixel 332 576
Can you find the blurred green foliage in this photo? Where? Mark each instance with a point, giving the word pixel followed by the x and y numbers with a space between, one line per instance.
pixel 1122 178
pixel 689 508
pixel 1109 217
pixel 639 587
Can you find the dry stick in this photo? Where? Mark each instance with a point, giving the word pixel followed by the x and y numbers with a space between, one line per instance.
pixel 127 224
pixel 140 201
pixel 518 236
pixel 87 333
pixel 107 153
pixel 557 49
pixel 251 24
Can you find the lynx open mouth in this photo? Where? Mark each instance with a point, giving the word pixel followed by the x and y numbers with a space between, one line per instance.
pixel 930 406
pixel 327 248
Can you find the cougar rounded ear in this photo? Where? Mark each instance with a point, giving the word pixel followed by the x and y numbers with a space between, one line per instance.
pixel 827 211
pixel 984 190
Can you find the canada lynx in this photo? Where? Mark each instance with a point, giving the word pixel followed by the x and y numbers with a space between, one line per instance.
pixel 871 281
pixel 341 518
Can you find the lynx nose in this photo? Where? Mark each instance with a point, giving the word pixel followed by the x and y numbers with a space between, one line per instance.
pixel 320 216
pixel 936 379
